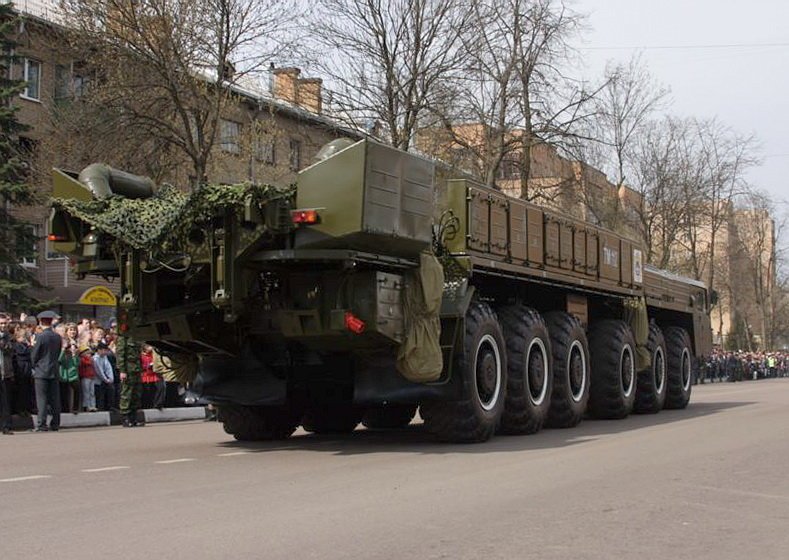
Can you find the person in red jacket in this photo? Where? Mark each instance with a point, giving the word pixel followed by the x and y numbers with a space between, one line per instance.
pixel 152 382
pixel 87 379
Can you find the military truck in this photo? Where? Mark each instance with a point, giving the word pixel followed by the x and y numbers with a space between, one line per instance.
pixel 380 284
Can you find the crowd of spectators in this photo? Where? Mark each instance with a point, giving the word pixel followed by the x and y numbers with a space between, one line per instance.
pixel 89 379
pixel 740 366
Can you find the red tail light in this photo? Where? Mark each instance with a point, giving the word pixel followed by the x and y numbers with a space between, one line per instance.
pixel 353 323
pixel 54 237
pixel 306 217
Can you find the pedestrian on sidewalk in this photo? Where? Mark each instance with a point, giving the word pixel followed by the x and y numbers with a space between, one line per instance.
pixel 69 369
pixel 5 411
pixel 87 380
pixel 6 375
pixel 151 378
pixel 129 366
pixel 104 377
pixel 45 357
pixel 23 370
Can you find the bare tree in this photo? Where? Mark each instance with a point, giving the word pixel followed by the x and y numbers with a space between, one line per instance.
pixel 755 259
pixel 624 106
pixel 165 69
pixel 385 59
pixel 552 106
pixel 475 119
pixel 659 163
pixel 721 158
pixel 510 93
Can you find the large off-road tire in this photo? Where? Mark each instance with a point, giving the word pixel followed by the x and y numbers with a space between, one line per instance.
pixel 613 352
pixel 570 349
pixel 529 370
pixel 389 417
pixel 652 385
pixel 482 365
pixel 258 423
pixel 333 418
pixel 679 367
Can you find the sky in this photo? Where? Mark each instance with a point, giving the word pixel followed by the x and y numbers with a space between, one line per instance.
pixel 720 58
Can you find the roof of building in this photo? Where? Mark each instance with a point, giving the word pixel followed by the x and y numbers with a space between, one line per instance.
pixel 49 12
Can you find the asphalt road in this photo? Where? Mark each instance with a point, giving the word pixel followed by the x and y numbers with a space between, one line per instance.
pixel 711 481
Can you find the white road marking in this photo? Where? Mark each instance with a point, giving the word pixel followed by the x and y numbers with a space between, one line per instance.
pixel 102 469
pixel 171 461
pixel 233 454
pixel 21 478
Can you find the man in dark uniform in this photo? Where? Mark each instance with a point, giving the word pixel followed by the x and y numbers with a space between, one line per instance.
pixel 6 372
pixel 45 356
pixel 128 359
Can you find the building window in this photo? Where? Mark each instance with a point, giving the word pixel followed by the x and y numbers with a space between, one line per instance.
pixel 508 169
pixel 62 81
pixel 229 133
pixel 68 83
pixel 266 151
pixel 27 246
pixel 295 154
pixel 32 75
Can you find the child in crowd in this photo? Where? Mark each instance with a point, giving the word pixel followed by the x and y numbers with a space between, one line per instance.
pixel 87 379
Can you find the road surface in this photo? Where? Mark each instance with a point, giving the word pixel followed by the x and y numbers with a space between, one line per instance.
pixel 711 481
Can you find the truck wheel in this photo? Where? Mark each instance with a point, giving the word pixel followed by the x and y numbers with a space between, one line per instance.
pixel 331 418
pixel 679 358
pixel 570 350
pixel 483 367
pixel 651 385
pixel 529 375
pixel 613 390
pixel 258 423
pixel 389 416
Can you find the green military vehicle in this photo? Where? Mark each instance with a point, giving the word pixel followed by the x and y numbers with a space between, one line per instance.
pixel 379 285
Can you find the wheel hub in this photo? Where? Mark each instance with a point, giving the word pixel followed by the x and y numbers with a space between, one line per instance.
pixel 577 371
pixel 685 369
pixel 537 372
pixel 488 372
pixel 659 370
pixel 627 371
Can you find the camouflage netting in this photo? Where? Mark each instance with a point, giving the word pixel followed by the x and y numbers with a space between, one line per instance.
pixel 147 223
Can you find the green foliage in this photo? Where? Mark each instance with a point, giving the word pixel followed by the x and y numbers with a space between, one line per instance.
pixel 167 217
pixel 16 236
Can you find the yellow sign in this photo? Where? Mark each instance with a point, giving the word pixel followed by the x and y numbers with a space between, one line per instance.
pixel 98 295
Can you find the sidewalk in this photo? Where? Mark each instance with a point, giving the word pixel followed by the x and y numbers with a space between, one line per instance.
pixel 94 419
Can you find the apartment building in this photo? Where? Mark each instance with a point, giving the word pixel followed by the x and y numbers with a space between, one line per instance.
pixel 271 132
pixel 569 186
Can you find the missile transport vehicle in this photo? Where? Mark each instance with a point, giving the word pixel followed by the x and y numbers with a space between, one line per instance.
pixel 381 284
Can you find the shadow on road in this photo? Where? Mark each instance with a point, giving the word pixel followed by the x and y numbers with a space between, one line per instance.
pixel 415 439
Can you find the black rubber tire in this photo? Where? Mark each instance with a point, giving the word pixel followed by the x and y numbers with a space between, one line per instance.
pixel 389 417
pixel 469 420
pixel 652 382
pixel 679 368
pixel 530 370
pixel 258 423
pixel 613 352
pixel 570 349
pixel 340 418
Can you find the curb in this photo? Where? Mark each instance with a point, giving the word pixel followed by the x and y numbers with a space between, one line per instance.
pixel 98 419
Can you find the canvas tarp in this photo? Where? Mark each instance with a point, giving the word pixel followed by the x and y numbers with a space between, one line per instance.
pixel 176 367
pixel 637 317
pixel 419 357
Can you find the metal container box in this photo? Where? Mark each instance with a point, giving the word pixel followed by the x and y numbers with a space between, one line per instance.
pixel 370 197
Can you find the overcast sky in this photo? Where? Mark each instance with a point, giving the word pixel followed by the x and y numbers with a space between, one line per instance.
pixel 746 86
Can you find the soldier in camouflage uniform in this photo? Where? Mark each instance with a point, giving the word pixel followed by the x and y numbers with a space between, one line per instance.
pixel 128 357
